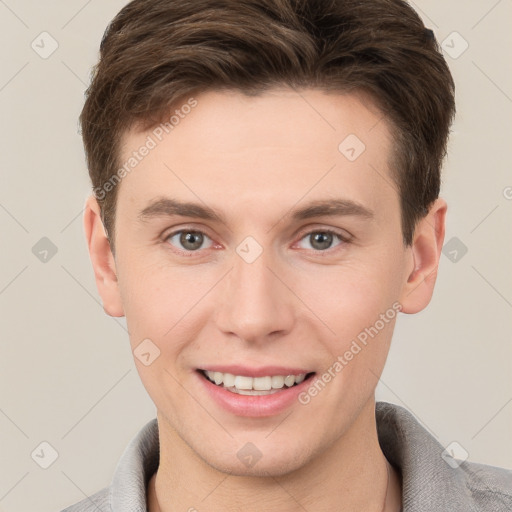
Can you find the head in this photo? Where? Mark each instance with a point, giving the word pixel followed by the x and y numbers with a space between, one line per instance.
pixel 254 110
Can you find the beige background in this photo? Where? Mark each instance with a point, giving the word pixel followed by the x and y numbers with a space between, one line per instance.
pixel 66 372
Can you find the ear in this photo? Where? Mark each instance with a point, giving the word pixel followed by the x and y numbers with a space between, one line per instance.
pixel 102 259
pixel 426 251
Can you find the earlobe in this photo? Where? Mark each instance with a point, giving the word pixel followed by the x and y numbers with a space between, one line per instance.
pixel 102 259
pixel 426 251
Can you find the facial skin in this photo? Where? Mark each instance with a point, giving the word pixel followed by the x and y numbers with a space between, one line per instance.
pixel 300 303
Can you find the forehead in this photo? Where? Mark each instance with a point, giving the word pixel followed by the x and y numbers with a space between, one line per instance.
pixel 298 142
pixel 278 116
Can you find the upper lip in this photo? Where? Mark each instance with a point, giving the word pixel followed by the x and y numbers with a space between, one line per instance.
pixel 261 371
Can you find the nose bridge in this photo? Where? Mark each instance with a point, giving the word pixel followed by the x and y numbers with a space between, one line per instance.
pixel 254 303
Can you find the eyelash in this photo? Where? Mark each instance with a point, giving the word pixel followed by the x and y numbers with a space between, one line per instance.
pixel 343 239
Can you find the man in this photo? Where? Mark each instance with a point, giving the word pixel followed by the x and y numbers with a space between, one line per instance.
pixel 266 178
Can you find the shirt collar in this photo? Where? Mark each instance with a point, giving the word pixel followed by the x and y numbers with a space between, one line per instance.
pixel 426 477
pixel 134 469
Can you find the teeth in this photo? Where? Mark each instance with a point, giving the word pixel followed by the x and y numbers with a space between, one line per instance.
pixel 300 378
pixel 241 382
pixel 227 379
pixel 277 382
pixel 262 383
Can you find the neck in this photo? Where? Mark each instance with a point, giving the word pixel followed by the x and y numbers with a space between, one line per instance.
pixel 351 475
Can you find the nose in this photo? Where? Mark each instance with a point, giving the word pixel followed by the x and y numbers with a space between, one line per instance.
pixel 255 304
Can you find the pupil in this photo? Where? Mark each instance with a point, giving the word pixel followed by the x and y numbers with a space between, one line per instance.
pixel 324 240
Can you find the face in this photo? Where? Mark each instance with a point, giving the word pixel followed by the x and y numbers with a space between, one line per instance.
pixel 290 259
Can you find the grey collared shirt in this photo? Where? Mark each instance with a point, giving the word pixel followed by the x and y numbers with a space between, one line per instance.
pixel 431 480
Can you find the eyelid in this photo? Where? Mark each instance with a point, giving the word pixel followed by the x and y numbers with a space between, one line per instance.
pixel 342 233
pixel 178 229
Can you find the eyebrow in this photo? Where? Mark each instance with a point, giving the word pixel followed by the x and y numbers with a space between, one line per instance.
pixel 167 207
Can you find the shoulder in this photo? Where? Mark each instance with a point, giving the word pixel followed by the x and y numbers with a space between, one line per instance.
pixel 127 489
pixel 431 480
pixel 95 502
pixel 490 486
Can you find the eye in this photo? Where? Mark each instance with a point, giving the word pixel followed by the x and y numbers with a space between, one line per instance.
pixel 190 240
pixel 322 239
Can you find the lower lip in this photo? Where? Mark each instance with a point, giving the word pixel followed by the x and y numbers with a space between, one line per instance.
pixel 257 405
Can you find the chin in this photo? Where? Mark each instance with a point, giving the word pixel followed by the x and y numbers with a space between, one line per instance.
pixel 258 459
pixel 260 468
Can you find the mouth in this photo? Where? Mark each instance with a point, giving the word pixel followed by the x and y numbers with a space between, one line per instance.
pixel 254 386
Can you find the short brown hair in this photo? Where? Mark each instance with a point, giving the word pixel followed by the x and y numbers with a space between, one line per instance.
pixel 154 53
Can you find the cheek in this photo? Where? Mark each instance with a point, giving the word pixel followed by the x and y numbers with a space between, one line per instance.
pixel 149 297
pixel 361 306
pixel 162 302
pixel 350 296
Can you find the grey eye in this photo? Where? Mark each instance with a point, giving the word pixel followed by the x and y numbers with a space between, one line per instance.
pixel 188 239
pixel 321 240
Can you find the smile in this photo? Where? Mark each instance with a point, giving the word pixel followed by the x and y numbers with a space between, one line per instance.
pixel 245 385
